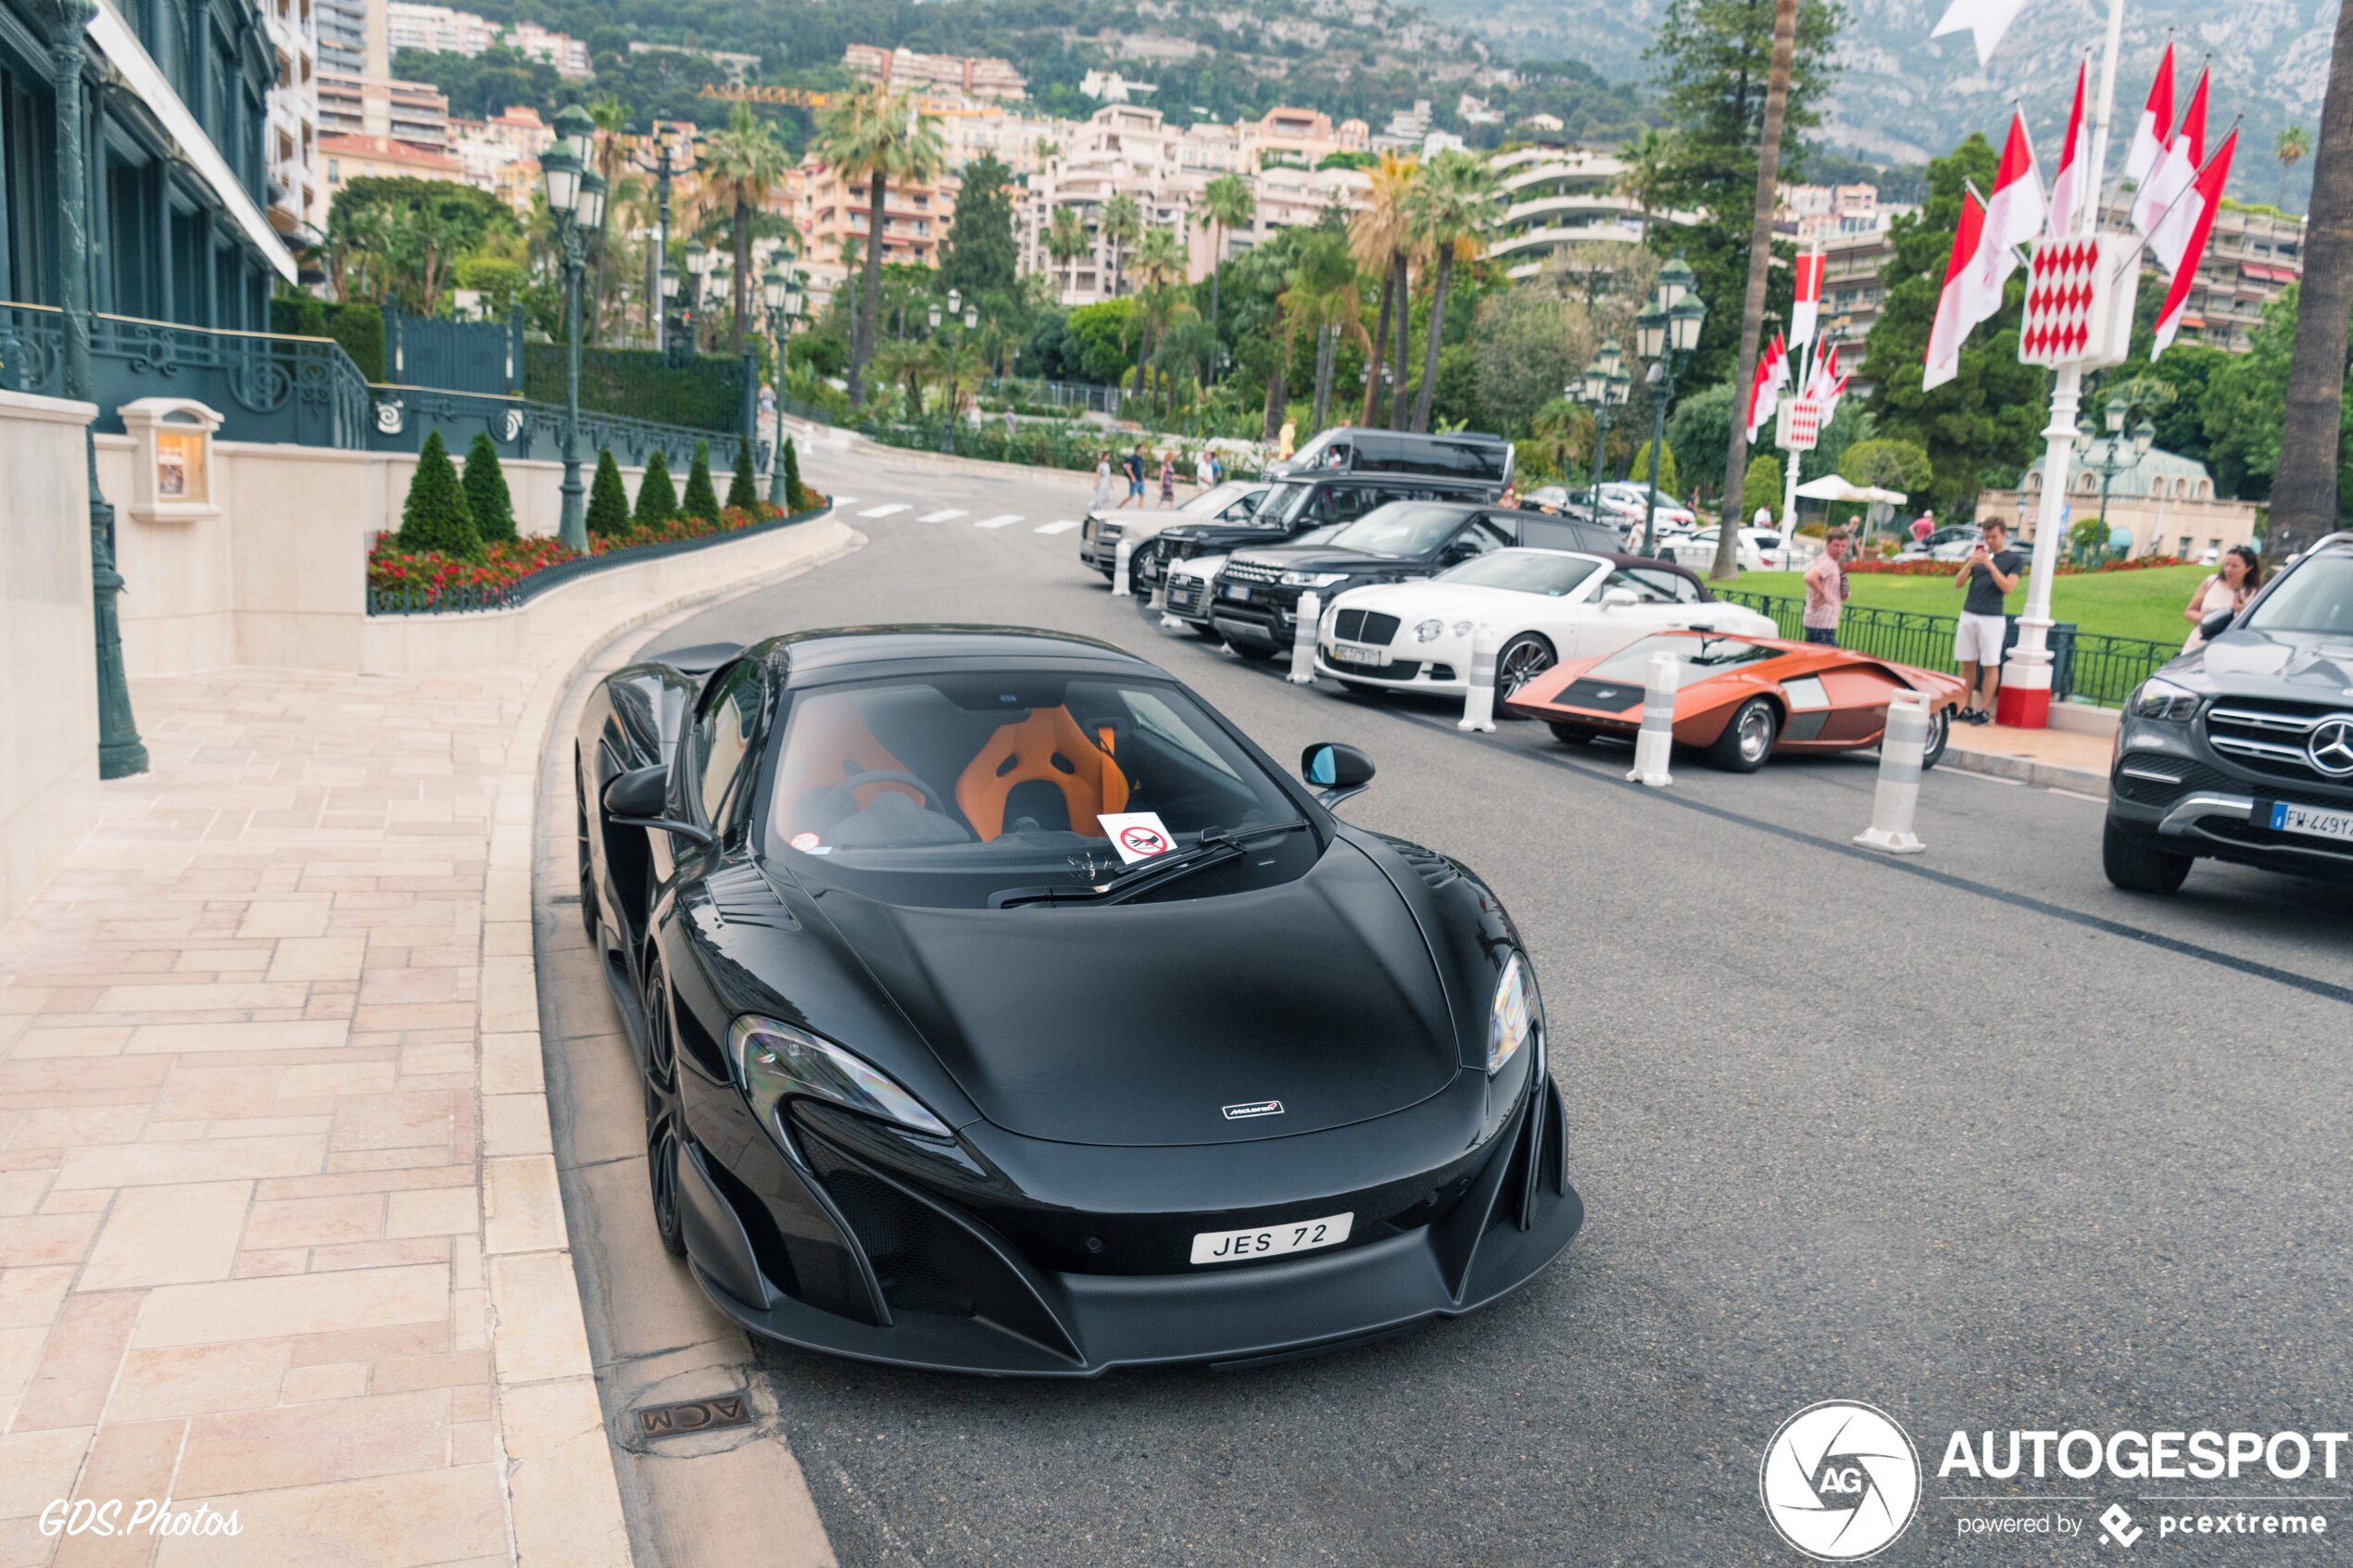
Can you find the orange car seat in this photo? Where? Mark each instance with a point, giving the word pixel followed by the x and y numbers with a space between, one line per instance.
pixel 1046 747
pixel 830 744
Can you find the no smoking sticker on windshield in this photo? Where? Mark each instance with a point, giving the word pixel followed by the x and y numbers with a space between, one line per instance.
pixel 1137 835
pixel 806 842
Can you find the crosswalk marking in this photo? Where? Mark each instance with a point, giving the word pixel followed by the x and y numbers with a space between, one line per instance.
pixel 841 501
pixel 1000 521
pixel 888 508
pixel 1056 527
pixel 942 515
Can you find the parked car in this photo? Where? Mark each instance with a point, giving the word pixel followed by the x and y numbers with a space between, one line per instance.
pixel 1294 506
pixel 1256 596
pixel 1541 606
pixel 908 927
pixel 1626 498
pixel 1757 549
pixel 1189 599
pixel 1351 449
pixel 1742 699
pixel 1099 535
pixel 2243 749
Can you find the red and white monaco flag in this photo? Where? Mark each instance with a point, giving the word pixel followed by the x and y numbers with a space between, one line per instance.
pixel 1806 311
pixel 1765 391
pixel 2201 202
pixel 2074 170
pixel 1965 301
pixel 2155 127
pixel 2159 210
pixel 2014 212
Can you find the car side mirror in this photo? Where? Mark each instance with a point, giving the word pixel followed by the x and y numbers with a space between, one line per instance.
pixel 640 798
pixel 1619 598
pixel 1338 771
pixel 2216 625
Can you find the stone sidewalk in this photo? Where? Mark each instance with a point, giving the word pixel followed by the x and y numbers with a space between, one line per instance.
pixel 280 1228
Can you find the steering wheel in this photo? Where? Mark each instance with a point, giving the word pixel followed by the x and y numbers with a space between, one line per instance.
pixel 892 775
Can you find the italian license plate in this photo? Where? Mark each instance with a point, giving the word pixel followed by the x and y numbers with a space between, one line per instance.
pixel 1271 1241
pixel 1346 653
pixel 1238 594
pixel 2316 820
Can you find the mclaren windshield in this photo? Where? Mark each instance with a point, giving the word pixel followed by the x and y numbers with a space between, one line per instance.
pixel 1697 658
pixel 949 788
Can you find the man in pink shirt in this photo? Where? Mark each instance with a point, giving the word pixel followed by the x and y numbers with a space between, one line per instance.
pixel 1826 590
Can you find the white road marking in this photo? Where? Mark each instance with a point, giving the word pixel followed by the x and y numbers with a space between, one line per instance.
pixel 943 515
pixel 1986 778
pixel 841 501
pixel 1056 527
pixel 1000 521
pixel 2095 799
pixel 889 509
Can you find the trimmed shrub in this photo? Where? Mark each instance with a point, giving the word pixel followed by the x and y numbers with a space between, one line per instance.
pixel 797 498
pixel 1762 487
pixel 487 502
pixel 700 499
pixel 607 499
pixel 656 498
pixel 744 489
pixel 434 517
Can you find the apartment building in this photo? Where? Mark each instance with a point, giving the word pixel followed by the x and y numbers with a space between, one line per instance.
pixel 976 76
pixel 501 155
pixel 345 158
pixel 440 29
pixel 290 123
pixel 1557 197
pixel 2253 254
pixel 827 212
pixel 354 39
pixel 1853 290
pixel 740 68
pixel 413 112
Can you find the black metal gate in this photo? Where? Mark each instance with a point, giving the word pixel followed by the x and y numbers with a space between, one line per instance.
pixel 454 356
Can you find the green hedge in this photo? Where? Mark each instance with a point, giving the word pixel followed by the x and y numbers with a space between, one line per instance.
pixel 706 393
pixel 359 328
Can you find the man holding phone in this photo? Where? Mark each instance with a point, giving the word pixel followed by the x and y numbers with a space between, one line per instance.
pixel 1991 571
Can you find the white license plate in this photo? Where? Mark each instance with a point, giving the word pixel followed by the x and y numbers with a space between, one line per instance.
pixel 2310 820
pixel 1273 1241
pixel 1345 653
pixel 1239 595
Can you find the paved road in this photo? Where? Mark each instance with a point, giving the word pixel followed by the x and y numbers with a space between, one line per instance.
pixel 1971 1136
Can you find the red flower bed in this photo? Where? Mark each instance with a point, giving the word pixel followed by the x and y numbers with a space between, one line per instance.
pixel 428 575
pixel 1948 569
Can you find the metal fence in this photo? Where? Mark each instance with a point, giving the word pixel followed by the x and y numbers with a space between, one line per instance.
pixel 1071 395
pixel 457 355
pixel 520 427
pixel 2087 666
pixel 1063 445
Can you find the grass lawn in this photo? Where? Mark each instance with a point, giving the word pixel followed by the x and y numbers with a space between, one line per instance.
pixel 2116 604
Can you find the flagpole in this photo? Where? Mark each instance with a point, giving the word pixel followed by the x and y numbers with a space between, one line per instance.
pixel 2025 700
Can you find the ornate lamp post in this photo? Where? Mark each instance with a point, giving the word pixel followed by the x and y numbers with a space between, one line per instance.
pixel 1664 334
pixel 673 346
pixel 2117 452
pixel 968 316
pixel 780 292
pixel 664 168
pixel 701 260
pixel 121 752
pixel 1604 389
pixel 577 199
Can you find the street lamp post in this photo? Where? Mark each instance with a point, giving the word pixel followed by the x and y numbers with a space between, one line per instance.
pixel 663 168
pixel 2117 452
pixel 782 296
pixel 968 317
pixel 577 199
pixel 701 260
pixel 1664 334
pixel 1604 389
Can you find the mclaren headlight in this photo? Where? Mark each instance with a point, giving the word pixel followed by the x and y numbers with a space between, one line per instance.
pixel 1515 1016
pixel 2159 699
pixel 774 1062
pixel 1312 578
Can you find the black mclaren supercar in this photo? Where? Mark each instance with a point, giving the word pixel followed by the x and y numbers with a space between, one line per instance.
pixel 1002 1008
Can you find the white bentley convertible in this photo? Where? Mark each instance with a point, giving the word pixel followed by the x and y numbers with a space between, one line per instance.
pixel 1541 606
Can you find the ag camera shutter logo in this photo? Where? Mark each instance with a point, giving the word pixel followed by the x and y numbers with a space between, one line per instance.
pixel 1840 1481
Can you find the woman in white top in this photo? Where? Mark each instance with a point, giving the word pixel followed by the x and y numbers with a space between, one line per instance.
pixel 1102 483
pixel 2228 589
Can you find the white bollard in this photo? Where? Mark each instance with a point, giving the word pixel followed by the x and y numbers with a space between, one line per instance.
pixel 1119 589
pixel 1302 639
pixel 1654 745
pixel 1478 692
pixel 1902 749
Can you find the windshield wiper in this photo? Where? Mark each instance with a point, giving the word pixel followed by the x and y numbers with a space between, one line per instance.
pixel 1214 848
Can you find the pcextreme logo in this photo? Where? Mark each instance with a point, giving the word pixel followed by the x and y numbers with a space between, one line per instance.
pixel 1840 1480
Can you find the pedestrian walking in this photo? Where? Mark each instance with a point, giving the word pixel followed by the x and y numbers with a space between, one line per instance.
pixel 1010 424
pixel 1102 482
pixel 1922 526
pixel 1134 465
pixel 1167 479
pixel 1283 442
pixel 1992 571
pixel 2239 574
pixel 1204 468
pixel 1826 590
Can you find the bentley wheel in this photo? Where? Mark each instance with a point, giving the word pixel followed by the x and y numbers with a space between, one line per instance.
pixel 665 1124
pixel 590 916
pixel 1522 660
pixel 1572 734
pixel 1748 739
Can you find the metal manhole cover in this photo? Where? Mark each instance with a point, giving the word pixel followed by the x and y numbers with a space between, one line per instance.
pixel 694 1415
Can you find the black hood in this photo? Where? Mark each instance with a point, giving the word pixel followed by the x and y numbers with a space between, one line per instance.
pixel 1213 537
pixel 2289 666
pixel 1327 557
pixel 1140 1024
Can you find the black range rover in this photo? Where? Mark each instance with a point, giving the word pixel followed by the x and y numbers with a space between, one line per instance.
pixel 2243 751
pixel 1254 601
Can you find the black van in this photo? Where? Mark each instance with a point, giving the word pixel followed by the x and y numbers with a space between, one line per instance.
pixel 1351 449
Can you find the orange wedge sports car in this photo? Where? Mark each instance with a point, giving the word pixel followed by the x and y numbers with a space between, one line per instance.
pixel 1742 699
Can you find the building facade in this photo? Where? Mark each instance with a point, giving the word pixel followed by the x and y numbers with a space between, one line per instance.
pixel 2252 255
pixel 829 212
pixel 176 153
pixel 2164 501
pixel 354 39
pixel 1554 197
pixel 441 30
pixel 904 70
pixel 292 157
pixel 414 112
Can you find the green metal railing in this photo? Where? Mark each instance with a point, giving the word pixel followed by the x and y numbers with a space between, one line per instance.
pixel 2086 666
pixel 1062 444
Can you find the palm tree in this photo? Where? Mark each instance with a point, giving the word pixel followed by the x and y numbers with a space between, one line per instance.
pixel 1122 223
pixel 2304 486
pixel 1066 241
pixel 1760 253
pixel 1378 236
pixel 1453 207
pixel 742 167
pixel 1225 202
pixel 1160 264
pixel 1323 294
pixel 878 136
pixel 2290 149
pixel 611 117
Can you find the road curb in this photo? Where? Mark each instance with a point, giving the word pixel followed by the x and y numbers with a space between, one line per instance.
pixel 2025 770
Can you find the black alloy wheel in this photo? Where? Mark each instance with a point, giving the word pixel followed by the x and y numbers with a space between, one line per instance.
pixel 590 915
pixel 665 1117
pixel 1523 658
pixel 2137 866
